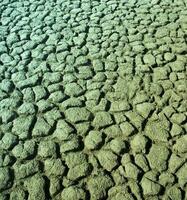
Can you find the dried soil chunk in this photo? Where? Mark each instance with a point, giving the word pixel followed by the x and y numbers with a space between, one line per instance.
pixel 118 106
pixel 93 140
pixel 161 32
pixel 6 159
pixel 166 178
pixel 127 129
pixel 27 109
pixel 150 187
pixel 78 171
pixel 40 93
pixel 158 156
pixel 107 159
pixel 63 130
pixel 50 78
pixel 22 125
pixel 70 145
pixel 152 175
pixel 57 97
pixel 24 150
pixel 119 192
pixel 182 175
pixel 73 89
pixel 178 118
pixel 144 109
pixel 102 119
pixel 55 186
pixel 176 130
pixel 12 38
pixel 132 171
pixel 44 105
pixel 125 159
pixel 8 141
pixel 82 128
pixel 168 111
pixel 17 194
pixel 29 82
pixel 54 167
pixel 41 128
pixel 177 66
pixel 5 58
pixel 93 95
pixel 140 97
pixel 118 145
pixel 10 103
pixel 28 94
pixel 27 169
pixel 181 144
pixel 75 158
pixel 135 188
pixel 73 193
pixel 113 131
pixel 85 72
pixel 135 118
pixel 47 149
pixel 98 65
pixel 98 186
pixel 155 131
pixel 71 102
pixel 36 187
pixel 77 114
pixel 142 162
pixel 175 162
pixel 139 143
pixel 3 95
pixel 7 85
pixel 174 193
pixel 149 59
pixel 52 116
pixel 5 178
pixel 160 74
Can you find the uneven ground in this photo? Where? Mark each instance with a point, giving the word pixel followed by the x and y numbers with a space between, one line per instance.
pixel 93 99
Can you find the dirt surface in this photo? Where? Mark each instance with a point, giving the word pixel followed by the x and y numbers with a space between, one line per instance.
pixel 93 100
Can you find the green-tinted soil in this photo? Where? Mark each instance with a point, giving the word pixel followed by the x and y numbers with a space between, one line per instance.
pixel 93 99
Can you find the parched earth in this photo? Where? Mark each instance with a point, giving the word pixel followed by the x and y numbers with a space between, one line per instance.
pixel 93 100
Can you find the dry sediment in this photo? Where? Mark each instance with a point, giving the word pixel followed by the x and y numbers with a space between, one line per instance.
pixel 93 100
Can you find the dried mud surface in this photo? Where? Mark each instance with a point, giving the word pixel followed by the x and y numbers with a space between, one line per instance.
pixel 93 100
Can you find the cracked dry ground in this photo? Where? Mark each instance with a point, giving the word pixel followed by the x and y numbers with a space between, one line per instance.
pixel 93 100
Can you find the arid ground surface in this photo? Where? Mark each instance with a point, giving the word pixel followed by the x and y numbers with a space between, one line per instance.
pixel 93 100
